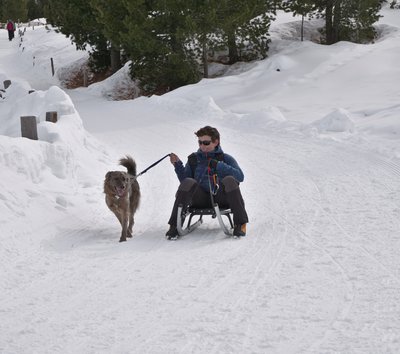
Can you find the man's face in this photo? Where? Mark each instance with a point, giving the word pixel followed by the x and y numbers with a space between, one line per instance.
pixel 206 144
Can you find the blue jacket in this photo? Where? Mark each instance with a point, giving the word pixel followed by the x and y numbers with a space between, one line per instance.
pixel 203 173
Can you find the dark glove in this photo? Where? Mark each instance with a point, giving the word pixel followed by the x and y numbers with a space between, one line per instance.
pixel 213 164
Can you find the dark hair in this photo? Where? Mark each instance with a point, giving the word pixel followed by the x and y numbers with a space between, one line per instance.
pixel 210 131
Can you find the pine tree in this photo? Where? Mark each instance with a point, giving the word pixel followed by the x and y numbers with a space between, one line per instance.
pixel 245 24
pixel 305 8
pixel 156 40
pixel 15 10
pixel 111 17
pixel 76 19
pixel 350 20
pixel 202 26
pixel 360 28
pixel 394 4
pixel 34 9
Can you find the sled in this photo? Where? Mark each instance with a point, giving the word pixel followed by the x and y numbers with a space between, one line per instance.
pixel 214 212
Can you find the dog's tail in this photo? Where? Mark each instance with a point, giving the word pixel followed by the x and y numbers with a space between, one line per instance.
pixel 130 164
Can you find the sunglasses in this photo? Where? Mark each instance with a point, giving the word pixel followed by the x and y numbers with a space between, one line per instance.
pixel 204 142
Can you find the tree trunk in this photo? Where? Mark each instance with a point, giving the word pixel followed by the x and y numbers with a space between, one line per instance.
pixel 205 61
pixel 233 51
pixel 329 21
pixel 337 16
pixel 115 59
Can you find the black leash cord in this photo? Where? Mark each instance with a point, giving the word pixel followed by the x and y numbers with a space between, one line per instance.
pixel 155 163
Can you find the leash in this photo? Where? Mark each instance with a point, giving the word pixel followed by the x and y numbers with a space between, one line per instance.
pixel 151 166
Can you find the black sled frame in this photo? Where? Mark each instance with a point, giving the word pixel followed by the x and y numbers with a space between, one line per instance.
pixel 214 212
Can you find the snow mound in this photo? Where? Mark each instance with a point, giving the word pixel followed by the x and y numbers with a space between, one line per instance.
pixel 203 109
pixel 266 119
pixel 65 147
pixel 338 121
pixel 267 115
pixel 383 121
pixel 281 62
pixel 119 86
pixel 385 32
pixel 19 102
pixel 291 30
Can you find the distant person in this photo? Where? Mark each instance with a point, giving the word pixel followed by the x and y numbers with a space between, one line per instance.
pixel 209 170
pixel 11 29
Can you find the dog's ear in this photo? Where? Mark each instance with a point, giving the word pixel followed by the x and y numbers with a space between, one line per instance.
pixel 108 175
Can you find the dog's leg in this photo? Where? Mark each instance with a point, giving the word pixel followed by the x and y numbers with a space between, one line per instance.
pixel 130 225
pixel 124 224
pixel 133 205
pixel 125 213
pixel 120 216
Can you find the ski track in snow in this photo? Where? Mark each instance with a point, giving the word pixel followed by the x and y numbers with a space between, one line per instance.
pixel 310 277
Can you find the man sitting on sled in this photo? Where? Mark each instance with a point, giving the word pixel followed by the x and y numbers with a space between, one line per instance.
pixel 209 175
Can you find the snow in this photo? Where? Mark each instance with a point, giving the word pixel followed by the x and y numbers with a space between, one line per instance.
pixel 336 121
pixel 318 140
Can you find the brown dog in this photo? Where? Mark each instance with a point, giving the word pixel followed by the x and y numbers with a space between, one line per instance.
pixel 123 195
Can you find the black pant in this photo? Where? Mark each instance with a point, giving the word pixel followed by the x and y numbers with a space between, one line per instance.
pixel 191 194
pixel 10 35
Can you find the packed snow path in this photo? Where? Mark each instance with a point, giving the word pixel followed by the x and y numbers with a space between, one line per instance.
pixel 318 272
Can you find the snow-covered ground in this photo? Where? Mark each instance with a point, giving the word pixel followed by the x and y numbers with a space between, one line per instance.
pixel 318 140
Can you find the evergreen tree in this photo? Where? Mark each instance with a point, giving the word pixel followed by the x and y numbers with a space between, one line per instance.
pixel 202 25
pixel 76 19
pixel 394 4
pixel 360 28
pixel 15 10
pixel 156 40
pixel 245 24
pixel 165 39
pixel 35 9
pixel 111 17
pixel 350 20
pixel 305 8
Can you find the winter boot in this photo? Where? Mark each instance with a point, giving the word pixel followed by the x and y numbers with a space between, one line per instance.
pixel 239 230
pixel 172 233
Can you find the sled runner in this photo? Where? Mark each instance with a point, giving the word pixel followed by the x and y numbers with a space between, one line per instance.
pixel 214 212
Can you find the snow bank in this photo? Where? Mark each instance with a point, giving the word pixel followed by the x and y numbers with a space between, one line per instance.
pixel 338 121
pixel 64 158
pixel 264 119
pixel 117 87
pixel 384 121
pixel 19 102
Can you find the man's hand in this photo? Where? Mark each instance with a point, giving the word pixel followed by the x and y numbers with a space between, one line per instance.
pixel 173 158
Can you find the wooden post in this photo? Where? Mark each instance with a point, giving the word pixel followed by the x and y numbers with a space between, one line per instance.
pixel 7 84
pixel 29 127
pixel 52 66
pixel 51 117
